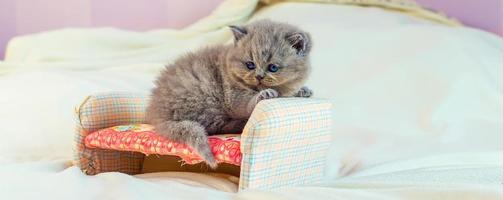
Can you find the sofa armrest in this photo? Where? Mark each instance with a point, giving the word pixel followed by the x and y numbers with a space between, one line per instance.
pixel 285 143
pixel 111 109
pixel 102 111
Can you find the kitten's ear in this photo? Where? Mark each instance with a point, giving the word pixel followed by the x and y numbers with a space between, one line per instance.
pixel 239 32
pixel 301 42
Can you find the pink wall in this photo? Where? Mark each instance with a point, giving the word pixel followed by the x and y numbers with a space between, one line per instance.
pixel 19 17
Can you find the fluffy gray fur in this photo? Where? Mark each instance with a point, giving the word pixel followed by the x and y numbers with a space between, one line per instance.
pixel 211 91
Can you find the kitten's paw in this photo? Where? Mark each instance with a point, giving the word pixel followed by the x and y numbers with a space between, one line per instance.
pixel 304 92
pixel 267 94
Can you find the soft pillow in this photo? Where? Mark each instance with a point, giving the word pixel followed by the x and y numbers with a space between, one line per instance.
pixel 384 3
pixel 142 138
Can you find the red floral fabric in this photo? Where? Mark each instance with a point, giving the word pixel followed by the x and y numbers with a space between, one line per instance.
pixel 142 138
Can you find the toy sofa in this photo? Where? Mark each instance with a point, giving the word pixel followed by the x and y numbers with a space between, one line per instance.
pixel 284 142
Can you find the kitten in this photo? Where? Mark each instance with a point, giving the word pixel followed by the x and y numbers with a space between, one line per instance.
pixel 214 90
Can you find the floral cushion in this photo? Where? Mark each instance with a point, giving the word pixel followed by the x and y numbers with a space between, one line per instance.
pixel 142 138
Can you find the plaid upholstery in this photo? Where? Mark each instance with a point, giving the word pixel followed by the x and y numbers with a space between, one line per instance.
pixel 284 143
pixel 102 111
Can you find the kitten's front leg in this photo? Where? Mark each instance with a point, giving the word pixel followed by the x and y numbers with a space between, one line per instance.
pixel 266 94
pixel 243 103
pixel 262 95
pixel 304 92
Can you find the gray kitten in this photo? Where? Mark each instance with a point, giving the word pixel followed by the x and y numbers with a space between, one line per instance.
pixel 215 90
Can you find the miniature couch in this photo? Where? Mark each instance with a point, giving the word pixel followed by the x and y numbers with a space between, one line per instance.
pixel 284 143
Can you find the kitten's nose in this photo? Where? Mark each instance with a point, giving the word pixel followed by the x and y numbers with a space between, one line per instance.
pixel 259 77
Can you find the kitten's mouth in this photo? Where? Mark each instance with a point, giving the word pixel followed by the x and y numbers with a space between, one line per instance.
pixel 260 86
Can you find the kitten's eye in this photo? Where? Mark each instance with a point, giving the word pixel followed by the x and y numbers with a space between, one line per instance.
pixel 272 68
pixel 250 65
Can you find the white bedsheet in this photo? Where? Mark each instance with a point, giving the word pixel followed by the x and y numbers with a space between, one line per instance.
pixel 53 180
pixel 419 113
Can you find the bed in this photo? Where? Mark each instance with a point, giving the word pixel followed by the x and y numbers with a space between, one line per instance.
pixel 418 101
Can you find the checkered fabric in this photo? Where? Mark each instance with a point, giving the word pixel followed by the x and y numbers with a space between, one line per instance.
pixel 284 143
pixel 102 111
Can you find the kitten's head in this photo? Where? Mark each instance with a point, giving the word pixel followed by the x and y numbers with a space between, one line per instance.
pixel 268 54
